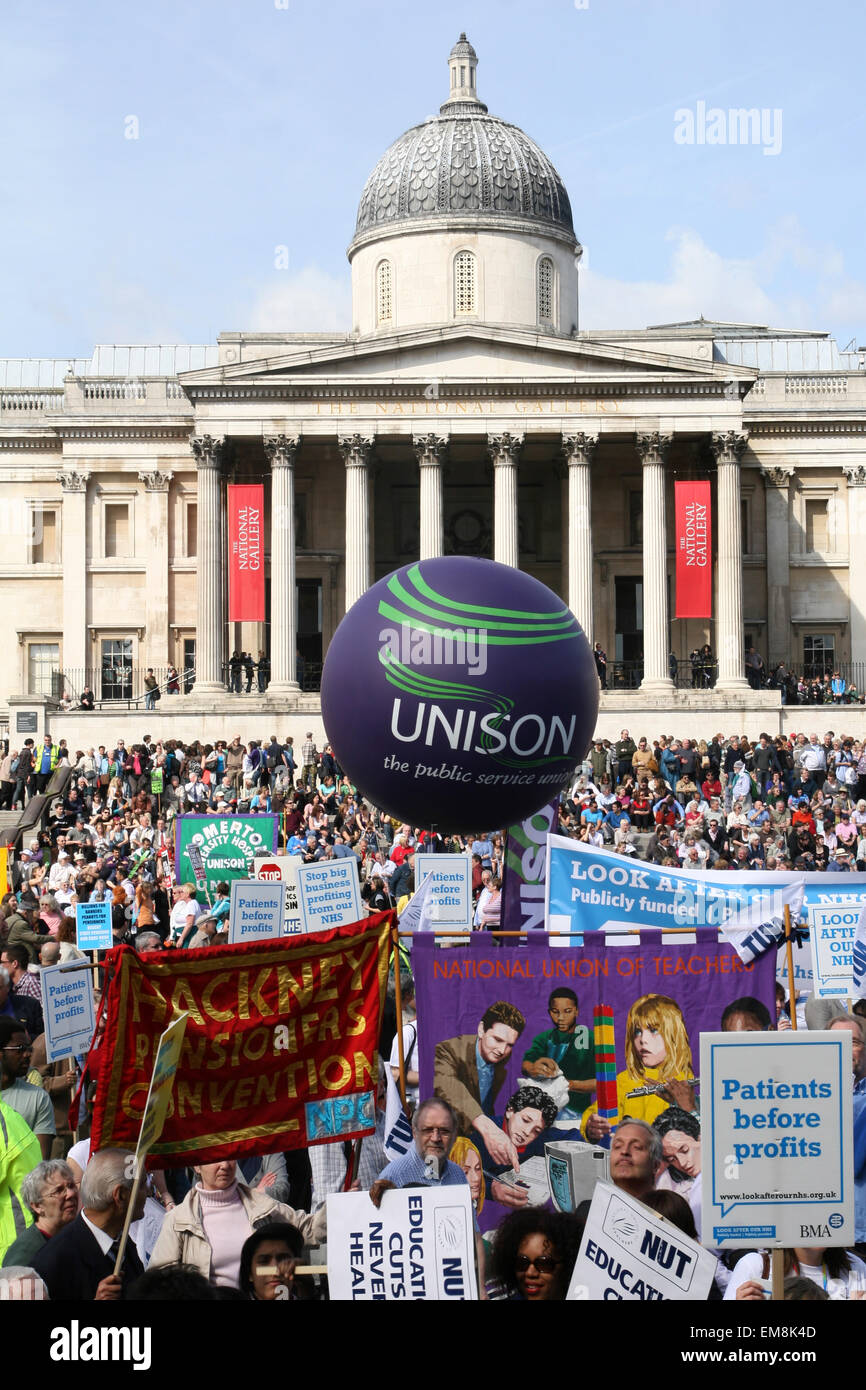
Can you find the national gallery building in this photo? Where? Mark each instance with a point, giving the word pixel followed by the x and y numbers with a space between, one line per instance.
pixel 466 412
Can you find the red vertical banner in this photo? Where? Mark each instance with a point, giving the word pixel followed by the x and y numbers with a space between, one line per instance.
pixel 693 550
pixel 246 503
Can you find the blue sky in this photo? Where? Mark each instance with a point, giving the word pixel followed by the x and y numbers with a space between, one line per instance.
pixel 258 122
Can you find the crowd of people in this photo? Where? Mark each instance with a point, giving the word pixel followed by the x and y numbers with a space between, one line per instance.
pixel 772 803
pixel 238 1229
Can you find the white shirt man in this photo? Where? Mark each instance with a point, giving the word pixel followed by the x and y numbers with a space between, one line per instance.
pixel 196 791
pixel 61 876
pixel 814 758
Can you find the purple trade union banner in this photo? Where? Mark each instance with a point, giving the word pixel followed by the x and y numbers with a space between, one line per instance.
pixel 507 1037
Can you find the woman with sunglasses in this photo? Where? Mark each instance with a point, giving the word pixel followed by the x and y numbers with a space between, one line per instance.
pixel 533 1256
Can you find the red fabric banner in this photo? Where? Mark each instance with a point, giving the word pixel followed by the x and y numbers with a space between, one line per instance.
pixel 280 1049
pixel 246 503
pixel 694 550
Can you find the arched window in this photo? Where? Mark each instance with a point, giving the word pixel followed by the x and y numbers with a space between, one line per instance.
pixel 544 290
pixel 384 299
pixel 464 283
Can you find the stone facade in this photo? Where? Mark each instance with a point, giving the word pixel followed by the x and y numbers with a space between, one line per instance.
pixel 464 413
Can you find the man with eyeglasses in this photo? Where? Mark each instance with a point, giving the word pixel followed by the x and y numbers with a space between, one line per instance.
pixel 51 1193
pixel 31 1102
pixel 426 1164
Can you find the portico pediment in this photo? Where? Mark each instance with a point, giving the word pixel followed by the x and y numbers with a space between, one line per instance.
pixel 461 354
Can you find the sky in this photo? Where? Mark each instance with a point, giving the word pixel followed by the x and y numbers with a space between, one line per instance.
pixel 169 171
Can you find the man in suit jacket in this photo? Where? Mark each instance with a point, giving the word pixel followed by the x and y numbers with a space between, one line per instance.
pixel 78 1263
pixel 469 1071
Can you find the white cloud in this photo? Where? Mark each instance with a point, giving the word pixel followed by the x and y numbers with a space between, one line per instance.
pixel 308 300
pixel 788 283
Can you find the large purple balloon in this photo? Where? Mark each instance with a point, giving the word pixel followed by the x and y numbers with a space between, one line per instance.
pixel 459 693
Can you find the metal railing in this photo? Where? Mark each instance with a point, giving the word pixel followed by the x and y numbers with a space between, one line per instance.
pixel 686 675
pixel 122 686
pixel 115 683
pixel 811 675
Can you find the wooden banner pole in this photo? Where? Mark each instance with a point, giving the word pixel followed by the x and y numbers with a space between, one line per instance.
pixel 792 988
pixel 127 1221
pixel 398 1008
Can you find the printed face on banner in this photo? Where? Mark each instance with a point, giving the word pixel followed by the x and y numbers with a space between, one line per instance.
pixel 509 1039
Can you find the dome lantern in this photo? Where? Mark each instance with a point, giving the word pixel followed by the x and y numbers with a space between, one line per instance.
pixel 462 64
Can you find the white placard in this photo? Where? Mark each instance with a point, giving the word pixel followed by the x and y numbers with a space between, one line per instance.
pixel 419 1244
pixel 283 868
pixel 631 1254
pixel 67 1008
pixel 451 900
pixel 832 931
pixel 256 912
pixel 776 1139
pixel 329 894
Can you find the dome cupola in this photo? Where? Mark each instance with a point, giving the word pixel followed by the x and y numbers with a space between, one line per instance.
pixel 463 176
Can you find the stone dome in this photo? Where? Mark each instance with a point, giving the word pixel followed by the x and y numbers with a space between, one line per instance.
pixel 463 164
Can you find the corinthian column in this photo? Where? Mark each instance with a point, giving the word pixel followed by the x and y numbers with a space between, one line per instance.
pixel 357 451
pixel 652 450
pixel 504 450
pixel 578 450
pixel 209 566
pixel 777 479
pixel 157 484
pixel 855 473
pixel 429 451
pixel 74 557
pixel 728 448
pixel 281 451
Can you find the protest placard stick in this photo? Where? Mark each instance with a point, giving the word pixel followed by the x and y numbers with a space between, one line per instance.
pixel 792 988
pixel 127 1220
pixel 398 1009
pixel 777 1275
pixel 153 1116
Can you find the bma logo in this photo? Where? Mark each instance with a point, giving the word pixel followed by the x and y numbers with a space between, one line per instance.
pixel 816 1231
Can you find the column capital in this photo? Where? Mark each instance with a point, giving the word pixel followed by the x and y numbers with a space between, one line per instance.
pixel 579 448
pixel 155 481
pixel 728 446
pixel 653 447
pixel 430 449
pixel 504 448
pixel 72 481
pixel 208 451
pixel 855 474
pixel 281 450
pixel 357 449
pixel 777 475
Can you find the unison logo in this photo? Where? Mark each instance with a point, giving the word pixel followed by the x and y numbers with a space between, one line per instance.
pixel 417 646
